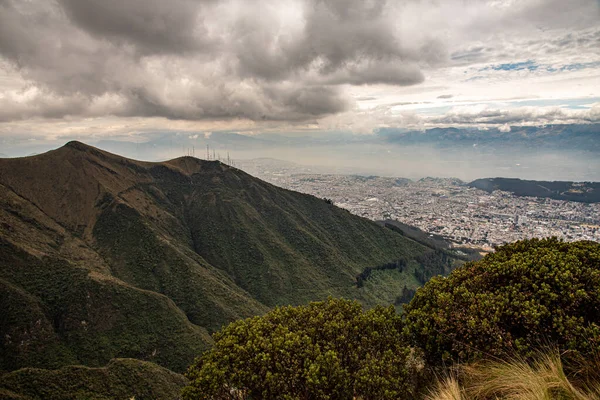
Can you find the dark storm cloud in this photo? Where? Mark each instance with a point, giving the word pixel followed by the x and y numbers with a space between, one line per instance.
pixel 316 101
pixel 338 32
pixel 47 51
pixel 391 73
pixel 192 59
pixel 271 102
pixel 153 26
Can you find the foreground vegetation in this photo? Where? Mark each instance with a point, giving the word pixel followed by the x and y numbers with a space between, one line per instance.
pixel 543 378
pixel 330 349
pixel 120 379
pixel 526 295
pixel 493 318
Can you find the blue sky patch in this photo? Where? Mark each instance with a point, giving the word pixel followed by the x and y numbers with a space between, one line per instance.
pixel 529 65
pixel 578 66
pixel 575 104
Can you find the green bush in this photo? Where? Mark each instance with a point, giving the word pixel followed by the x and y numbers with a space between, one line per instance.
pixel 326 350
pixel 526 295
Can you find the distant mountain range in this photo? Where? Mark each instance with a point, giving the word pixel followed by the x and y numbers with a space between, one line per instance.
pixel 153 145
pixel 584 192
pixel 104 257
pixel 571 137
pixel 553 152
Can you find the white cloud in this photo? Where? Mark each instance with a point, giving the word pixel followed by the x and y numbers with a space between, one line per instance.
pixel 504 128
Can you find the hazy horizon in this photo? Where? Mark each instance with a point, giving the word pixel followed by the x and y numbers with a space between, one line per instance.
pixel 365 156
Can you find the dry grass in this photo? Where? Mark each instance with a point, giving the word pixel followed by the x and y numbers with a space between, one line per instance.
pixel 448 389
pixel 542 379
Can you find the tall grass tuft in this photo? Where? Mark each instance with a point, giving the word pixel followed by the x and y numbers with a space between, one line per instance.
pixel 542 379
pixel 447 389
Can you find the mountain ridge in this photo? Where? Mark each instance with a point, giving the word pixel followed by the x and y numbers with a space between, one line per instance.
pixel 583 192
pixel 114 257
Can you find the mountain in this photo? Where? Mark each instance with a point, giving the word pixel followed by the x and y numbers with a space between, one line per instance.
pixel 584 192
pixel 120 379
pixel 582 137
pixel 104 257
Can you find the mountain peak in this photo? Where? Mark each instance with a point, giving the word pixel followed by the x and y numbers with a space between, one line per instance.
pixel 74 144
pixel 86 148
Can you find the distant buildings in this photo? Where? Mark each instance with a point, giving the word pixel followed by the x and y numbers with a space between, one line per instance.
pixel 446 207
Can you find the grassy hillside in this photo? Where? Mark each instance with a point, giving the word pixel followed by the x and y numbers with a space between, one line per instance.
pixel 106 257
pixel 120 379
pixel 55 314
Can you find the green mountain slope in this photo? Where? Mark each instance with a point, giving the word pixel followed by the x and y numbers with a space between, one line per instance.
pixel 120 379
pixel 105 257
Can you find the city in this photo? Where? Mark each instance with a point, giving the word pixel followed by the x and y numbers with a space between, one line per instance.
pixel 447 207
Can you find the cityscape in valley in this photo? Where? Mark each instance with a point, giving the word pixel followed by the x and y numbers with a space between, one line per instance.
pixel 447 207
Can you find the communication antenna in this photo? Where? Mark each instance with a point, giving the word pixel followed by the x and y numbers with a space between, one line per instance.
pixel 207 153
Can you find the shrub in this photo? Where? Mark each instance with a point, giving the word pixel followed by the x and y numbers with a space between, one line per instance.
pixel 527 294
pixel 331 349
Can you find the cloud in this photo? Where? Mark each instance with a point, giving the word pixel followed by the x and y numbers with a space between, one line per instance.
pixel 483 115
pixel 284 62
pixel 196 60
pixel 151 26
pixel 504 128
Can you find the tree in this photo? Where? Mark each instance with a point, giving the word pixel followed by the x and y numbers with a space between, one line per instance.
pixel 526 295
pixel 325 350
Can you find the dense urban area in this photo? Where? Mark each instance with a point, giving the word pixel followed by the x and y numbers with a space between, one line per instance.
pixel 447 207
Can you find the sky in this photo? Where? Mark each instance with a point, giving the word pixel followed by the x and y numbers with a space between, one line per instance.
pixel 93 69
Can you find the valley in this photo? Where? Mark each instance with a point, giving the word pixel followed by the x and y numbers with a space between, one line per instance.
pixel 449 207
